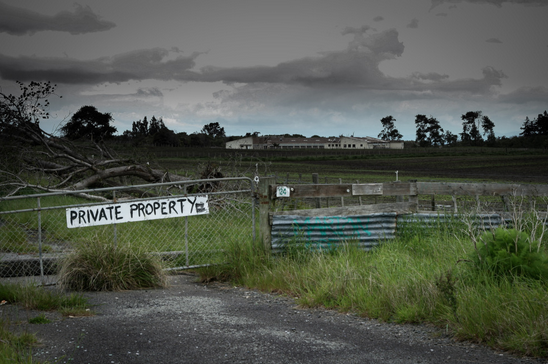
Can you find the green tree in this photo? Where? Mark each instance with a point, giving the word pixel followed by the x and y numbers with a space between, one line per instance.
pixel 537 126
pixel 389 131
pixel 473 121
pixel 155 125
pixel 450 138
pixel 213 130
pixel 428 131
pixel 140 128
pixel 89 123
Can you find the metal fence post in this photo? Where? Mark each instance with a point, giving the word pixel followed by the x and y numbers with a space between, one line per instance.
pixel 40 241
pixel 114 225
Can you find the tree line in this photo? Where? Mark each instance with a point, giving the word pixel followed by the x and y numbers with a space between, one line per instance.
pixel 77 158
pixel 477 130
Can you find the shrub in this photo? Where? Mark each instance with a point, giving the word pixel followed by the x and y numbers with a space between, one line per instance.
pixel 507 252
pixel 102 267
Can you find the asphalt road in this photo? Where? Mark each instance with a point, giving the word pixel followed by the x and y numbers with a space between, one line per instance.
pixel 195 323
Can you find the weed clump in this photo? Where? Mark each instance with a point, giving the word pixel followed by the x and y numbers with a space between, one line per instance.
pixel 103 267
pixel 508 252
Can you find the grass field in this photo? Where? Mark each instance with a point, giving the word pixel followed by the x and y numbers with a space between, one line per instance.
pixel 421 277
pixel 423 164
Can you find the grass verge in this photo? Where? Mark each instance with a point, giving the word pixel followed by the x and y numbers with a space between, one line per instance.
pixel 423 276
pixel 17 348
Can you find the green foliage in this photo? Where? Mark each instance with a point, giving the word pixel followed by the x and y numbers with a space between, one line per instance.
pixel 15 348
pixel 89 122
pixel 96 266
pixel 389 132
pixel 38 298
pixel 40 319
pixel 419 277
pixel 508 252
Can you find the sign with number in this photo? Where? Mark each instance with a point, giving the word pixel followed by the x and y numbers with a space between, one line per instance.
pixel 282 191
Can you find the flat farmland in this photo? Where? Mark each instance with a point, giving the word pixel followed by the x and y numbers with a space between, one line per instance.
pixel 451 164
pixel 496 168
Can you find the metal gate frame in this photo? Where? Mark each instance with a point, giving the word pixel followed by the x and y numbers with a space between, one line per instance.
pixel 164 188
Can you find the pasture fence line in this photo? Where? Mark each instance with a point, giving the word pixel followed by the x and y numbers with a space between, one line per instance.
pixel 187 223
pixel 369 212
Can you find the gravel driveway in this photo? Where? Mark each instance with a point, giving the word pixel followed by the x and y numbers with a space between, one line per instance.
pixel 216 323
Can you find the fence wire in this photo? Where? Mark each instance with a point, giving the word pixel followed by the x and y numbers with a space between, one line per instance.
pixel 34 233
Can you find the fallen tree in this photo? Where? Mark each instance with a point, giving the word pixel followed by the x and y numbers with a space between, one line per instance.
pixel 34 158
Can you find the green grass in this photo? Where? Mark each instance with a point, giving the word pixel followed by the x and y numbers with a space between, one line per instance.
pixel 38 298
pixel 423 276
pixel 40 319
pixel 17 347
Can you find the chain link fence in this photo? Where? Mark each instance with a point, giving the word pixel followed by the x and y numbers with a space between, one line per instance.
pixel 35 229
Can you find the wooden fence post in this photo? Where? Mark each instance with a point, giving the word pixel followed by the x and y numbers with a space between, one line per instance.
pixel 342 198
pixel 316 180
pixel 265 201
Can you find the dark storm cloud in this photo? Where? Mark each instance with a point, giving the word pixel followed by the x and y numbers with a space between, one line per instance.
pixel 413 24
pixel 18 21
pixel 493 40
pixel 354 68
pixel 493 2
pixel 136 65
pixel 357 65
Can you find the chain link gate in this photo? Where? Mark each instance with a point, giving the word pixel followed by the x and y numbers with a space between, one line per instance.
pixel 34 230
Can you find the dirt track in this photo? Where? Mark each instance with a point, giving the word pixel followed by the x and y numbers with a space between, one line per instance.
pixel 193 323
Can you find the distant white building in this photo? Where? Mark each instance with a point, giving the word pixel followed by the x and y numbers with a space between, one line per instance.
pixel 284 142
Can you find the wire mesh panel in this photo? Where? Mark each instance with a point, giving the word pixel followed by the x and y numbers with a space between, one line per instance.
pixel 37 230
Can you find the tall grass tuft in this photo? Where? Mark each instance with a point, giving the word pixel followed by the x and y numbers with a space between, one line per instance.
pixel 96 266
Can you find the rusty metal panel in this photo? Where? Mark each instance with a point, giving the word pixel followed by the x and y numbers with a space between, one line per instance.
pixel 326 232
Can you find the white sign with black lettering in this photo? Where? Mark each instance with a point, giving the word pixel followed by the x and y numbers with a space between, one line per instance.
pixel 136 211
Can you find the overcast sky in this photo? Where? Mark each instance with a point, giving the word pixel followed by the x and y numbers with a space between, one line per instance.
pixel 326 67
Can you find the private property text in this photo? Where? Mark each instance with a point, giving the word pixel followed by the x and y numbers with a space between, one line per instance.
pixel 136 211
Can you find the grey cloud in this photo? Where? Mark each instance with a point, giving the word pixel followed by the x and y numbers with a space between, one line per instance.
pixel 358 65
pixel 483 86
pixel 361 30
pixel 493 2
pixel 441 14
pixel 149 92
pixel 378 18
pixel 526 95
pixel 354 69
pixel 493 40
pixel 413 24
pixel 18 21
pixel 136 65
pixel 431 76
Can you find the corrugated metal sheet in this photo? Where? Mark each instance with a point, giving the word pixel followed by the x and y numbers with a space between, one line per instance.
pixel 326 232
pixel 485 221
